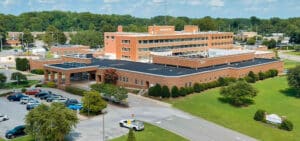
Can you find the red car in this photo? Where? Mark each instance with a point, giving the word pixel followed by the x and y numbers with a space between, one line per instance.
pixel 32 91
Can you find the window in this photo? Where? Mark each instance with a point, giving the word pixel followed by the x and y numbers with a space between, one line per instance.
pixel 125 49
pixel 107 37
pixel 142 82
pixel 112 37
pixel 136 81
pixel 126 79
pixel 190 84
pixel 125 41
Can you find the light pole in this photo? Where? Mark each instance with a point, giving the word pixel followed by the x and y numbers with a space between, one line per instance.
pixel 1 42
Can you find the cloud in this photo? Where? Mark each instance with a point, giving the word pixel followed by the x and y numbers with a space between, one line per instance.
pixel 216 3
pixel 111 1
pixel 7 3
pixel 191 2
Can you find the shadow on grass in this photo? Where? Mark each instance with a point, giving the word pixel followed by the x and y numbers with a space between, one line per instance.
pixel 292 92
pixel 244 103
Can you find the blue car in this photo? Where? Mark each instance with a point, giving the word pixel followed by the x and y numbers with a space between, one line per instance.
pixel 16 97
pixel 16 132
pixel 75 106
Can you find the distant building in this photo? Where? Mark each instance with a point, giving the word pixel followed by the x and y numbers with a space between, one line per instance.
pixel 245 35
pixel 61 50
pixel 163 40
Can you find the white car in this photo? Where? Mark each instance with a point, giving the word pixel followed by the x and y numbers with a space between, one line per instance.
pixel 25 100
pixel 32 101
pixel 60 100
pixel 132 124
pixel 3 117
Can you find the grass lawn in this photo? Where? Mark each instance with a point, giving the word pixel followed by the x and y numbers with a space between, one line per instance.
pixel 290 64
pixel 153 133
pixel 21 85
pixel 293 53
pixel 25 138
pixel 274 97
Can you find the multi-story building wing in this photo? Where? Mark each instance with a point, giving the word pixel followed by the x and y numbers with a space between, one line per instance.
pixel 163 40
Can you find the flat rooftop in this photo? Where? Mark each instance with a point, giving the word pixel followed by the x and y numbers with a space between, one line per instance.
pixel 143 34
pixel 158 69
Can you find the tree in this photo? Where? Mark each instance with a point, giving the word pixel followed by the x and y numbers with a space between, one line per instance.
pixel 155 90
pixel 22 64
pixel 90 38
pixel 165 92
pixel 252 77
pixel 53 122
pixel 110 76
pixel 286 125
pixel 27 37
pixel 293 77
pixel 92 102
pixel 261 76
pixel 131 136
pixel 175 91
pixel 205 24
pixel 53 35
pixel 3 34
pixel 239 93
pixel 2 80
pixel 251 41
pixel 18 77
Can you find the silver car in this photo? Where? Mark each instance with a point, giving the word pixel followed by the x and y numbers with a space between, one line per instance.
pixel 132 124
pixel 3 117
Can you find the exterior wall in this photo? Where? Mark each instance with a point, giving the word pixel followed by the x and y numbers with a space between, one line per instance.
pixel 78 60
pixel 186 81
pixel 203 62
pixel 70 50
pixel 161 29
pixel 39 64
pixel 191 28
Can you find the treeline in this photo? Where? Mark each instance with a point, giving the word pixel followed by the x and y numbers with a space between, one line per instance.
pixel 72 21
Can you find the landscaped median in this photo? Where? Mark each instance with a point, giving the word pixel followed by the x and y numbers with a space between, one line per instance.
pixel 274 96
pixel 153 133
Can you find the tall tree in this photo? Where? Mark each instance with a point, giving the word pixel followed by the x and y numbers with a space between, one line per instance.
pixel 26 37
pixel 293 77
pixel 53 122
pixel 89 37
pixel 54 36
pixel 93 103
pixel 110 76
pixel 18 77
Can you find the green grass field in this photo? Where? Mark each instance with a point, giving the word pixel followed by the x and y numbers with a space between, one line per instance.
pixel 153 133
pixel 20 85
pixel 274 96
pixel 293 53
pixel 290 64
pixel 25 138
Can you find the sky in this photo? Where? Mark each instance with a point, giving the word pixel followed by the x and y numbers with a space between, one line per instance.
pixel 151 8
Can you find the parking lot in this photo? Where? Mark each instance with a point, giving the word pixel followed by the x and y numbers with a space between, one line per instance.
pixel 16 113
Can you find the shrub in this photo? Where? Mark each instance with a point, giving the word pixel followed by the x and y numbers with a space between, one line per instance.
pixel 23 90
pixel 37 71
pixel 286 125
pixel 165 92
pixel 189 90
pixel 225 81
pixel 75 90
pixel 93 103
pixel 156 90
pixel 182 91
pixel 175 91
pixel 251 78
pixel 22 64
pixel 197 87
pixel 259 115
pixel 261 76
pixel 51 84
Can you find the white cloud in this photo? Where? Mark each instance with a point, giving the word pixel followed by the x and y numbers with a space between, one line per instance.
pixel 7 3
pixel 216 3
pixel 111 1
pixel 191 2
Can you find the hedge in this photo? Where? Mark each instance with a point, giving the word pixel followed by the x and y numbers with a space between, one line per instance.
pixel 75 90
pixel 37 71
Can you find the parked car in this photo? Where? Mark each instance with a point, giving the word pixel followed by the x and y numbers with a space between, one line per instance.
pixel 16 132
pixel 60 100
pixel 53 97
pixel 16 97
pixel 32 106
pixel 32 91
pixel 42 93
pixel 132 124
pixel 71 102
pixel 32 101
pixel 44 97
pixel 3 117
pixel 76 107
pixel 24 100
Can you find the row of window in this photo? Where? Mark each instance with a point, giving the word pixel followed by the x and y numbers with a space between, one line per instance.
pixel 136 81
pixel 125 41
pixel 171 40
pixel 223 43
pixel 112 37
pixel 222 37
pixel 166 48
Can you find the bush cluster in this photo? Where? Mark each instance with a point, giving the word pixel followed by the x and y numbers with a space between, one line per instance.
pixel 252 77
pixel 75 90
pixel 260 115
pixel 159 91
pixel 286 125
pixel 51 84
pixel 37 71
